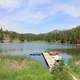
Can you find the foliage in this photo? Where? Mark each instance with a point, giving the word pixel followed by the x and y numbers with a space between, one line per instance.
pixel 22 68
pixel 58 66
pixel 1 35
pixel 73 67
pixel 21 38
pixel 67 36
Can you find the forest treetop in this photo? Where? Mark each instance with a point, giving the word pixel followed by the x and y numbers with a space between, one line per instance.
pixel 65 36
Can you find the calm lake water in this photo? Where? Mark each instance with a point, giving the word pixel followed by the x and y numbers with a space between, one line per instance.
pixel 32 48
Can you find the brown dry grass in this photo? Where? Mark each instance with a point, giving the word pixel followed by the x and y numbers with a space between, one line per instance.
pixel 14 64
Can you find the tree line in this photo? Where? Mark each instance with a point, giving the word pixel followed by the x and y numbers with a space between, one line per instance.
pixel 67 36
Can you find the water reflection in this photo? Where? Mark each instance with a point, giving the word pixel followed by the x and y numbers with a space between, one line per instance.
pixel 66 57
pixel 31 48
pixel 28 48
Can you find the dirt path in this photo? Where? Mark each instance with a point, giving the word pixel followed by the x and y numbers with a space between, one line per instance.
pixel 74 78
pixel 70 73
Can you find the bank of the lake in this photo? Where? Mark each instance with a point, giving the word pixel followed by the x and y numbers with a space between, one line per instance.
pixel 73 64
pixel 15 66
pixel 22 68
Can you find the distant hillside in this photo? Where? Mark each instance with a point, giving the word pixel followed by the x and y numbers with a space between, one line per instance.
pixel 54 31
pixel 66 36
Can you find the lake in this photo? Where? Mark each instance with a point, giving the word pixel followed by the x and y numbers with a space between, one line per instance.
pixel 33 48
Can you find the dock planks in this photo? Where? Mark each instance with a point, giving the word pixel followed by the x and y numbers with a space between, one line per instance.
pixel 49 60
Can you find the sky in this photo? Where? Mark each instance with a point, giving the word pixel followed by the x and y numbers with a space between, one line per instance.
pixel 39 16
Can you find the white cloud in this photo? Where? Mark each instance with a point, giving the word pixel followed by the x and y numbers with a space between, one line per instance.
pixel 62 26
pixel 38 2
pixel 34 13
pixel 53 8
pixel 10 4
pixel 36 16
pixel 71 10
pixel 29 16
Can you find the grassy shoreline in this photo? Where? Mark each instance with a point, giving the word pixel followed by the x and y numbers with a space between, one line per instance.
pixel 74 62
pixel 22 68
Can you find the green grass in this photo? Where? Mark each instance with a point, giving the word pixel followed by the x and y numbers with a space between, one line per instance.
pixel 22 68
pixel 73 67
pixel 75 53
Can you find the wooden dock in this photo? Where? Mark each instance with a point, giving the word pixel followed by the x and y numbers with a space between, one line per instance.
pixel 49 60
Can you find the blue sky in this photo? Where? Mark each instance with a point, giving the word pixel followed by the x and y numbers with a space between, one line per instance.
pixel 39 16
